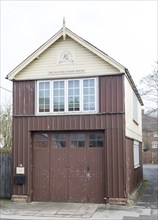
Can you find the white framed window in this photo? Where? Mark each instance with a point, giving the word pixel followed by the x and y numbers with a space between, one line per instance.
pixel 155 134
pixel 88 95
pixel 58 96
pixel 136 153
pixel 155 144
pixel 43 96
pixel 74 95
pixel 67 96
pixel 135 108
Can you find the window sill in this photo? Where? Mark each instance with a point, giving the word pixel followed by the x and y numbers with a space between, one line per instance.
pixel 137 166
pixel 66 113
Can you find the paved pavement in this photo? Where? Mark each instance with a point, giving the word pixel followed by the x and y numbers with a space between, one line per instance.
pixel 149 197
pixel 146 207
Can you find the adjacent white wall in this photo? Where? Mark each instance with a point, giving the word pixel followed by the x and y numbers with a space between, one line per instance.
pixel 133 130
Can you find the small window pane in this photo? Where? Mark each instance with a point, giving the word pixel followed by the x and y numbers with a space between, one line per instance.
pixel 85 83
pixel 76 106
pixel 55 85
pixel 58 96
pixel 41 108
pixel 62 100
pixel 155 144
pixel 62 84
pixel 70 100
pixel 44 97
pixel 41 137
pixel 100 143
pixel 41 85
pixel 47 85
pixel 89 95
pixel 86 98
pixel 70 92
pixel 47 101
pixel 81 136
pixel 46 108
pixel 96 139
pixel 136 153
pixel 70 84
pixel 77 92
pixel 46 93
pixel 73 95
pixel 91 82
pixel 55 108
pixel 62 91
pixel 92 144
pixel 92 107
pixel 92 136
pixel 86 107
pixel 59 140
pixel 41 140
pixel 41 94
pixel 92 91
pixel 61 107
pixel 77 140
pixel 41 101
pixel 99 136
pixel 92 99
pixel 85 91
pixel 56 92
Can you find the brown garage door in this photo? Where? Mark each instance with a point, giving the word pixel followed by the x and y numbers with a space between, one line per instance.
pixel 68 167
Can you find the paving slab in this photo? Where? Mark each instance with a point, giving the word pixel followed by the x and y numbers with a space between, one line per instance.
pixel 146 207
pixel 69 209
pixel 119 214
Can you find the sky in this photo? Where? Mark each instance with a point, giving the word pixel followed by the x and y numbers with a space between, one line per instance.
pixel 125 30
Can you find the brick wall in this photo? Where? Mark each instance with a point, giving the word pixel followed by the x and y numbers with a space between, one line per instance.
pixel 150 157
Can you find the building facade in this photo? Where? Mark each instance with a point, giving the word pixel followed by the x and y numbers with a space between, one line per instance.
pixel 77 132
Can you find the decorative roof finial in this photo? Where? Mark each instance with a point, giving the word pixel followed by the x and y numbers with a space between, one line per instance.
pixel 64 30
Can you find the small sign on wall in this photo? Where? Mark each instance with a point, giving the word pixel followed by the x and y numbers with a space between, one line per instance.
pixel 20 170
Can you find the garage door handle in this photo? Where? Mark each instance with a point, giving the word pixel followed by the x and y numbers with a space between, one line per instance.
pixel 67 166
pixel 88 169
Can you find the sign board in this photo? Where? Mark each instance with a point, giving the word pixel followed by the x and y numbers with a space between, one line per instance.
pixel 20 170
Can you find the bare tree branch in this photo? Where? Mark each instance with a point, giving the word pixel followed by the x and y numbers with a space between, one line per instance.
pixel 6 126
pixel 149 91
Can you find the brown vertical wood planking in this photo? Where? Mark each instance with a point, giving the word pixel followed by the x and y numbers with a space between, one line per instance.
pixel 133 175
pixel 110 95
pixel 24 97
pixel 110 120
pixel 113 150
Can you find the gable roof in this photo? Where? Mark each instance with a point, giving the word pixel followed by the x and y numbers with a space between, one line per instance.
pixel 52 40
pixel 67 32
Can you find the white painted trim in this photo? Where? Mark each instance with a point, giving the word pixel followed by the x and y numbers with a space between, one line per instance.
pixel 136 166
